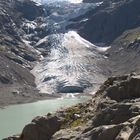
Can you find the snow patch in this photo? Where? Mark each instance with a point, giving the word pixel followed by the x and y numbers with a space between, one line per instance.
pixel 84 20
pixel 78 38
pixel 29 25
pixel 38 2
pixel 42 41
pixel 75 1
pixel 103 49
pixel 99 3
pixel 71 1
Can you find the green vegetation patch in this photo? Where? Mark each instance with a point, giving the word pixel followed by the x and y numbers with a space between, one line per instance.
pixel 76 122
pixel 73 116
pixel 128 36
pixel 76 115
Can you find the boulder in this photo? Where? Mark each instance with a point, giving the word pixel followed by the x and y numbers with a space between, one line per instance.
pixel 125 89
pixel 41 128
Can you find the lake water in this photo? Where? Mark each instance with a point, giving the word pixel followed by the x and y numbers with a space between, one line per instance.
pixel 15 117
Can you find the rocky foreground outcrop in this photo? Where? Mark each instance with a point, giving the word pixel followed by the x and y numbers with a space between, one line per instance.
pixel 112 114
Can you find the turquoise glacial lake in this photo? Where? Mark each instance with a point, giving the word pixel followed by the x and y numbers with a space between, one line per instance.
pixel 14 118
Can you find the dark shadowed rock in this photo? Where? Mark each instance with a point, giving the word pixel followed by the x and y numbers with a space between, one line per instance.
pixel 71 89
pixel 29 9
pixel 108 21
pixel 41 128
pixel 126 89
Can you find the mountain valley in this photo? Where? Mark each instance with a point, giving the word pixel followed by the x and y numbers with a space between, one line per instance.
pixel 49 49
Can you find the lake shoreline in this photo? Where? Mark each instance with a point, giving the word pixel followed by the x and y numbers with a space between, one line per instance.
pixel 10 125
pixel 17 99
pixel 23 99
pixel 30 100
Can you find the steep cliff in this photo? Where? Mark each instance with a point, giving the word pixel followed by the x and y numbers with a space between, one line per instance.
pixel 17 56
pixel 108 21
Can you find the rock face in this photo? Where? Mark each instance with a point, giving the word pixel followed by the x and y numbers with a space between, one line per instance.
pixel 41 128
pixel 112 114
pixel 29 9
pixel 123 56
pixel 108 21
pixel 125 90
pixel 17 56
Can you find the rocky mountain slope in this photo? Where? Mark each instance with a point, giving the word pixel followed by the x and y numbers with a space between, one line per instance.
pixel 112 114
pixel 115 23
pixel 108 21
pixel 17 56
